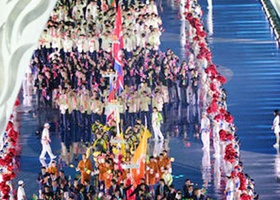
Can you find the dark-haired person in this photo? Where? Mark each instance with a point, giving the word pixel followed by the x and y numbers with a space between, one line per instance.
pixel 162 190
pixel 40 178
pixel 114 187
pixel 85 167
pixel 198 195
pixel 142 186
pixel 276 127
pixel 74 188
pixel 56 189
pixel 178 195
pixel 172 193
pixel 183 83
pixel 89 190
pixel 189 194
pixel 186 186
pixel 40 84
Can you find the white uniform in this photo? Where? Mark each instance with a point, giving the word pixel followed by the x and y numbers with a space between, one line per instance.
pixel 67 45
pixel 205 131
pixel 152 8
pixel 275 126
pixel 21 193
pixel 276 129
pixel 230 189
pixel 145 101
pixel 216 139
pixel 93 44
pixel 46 147
pixel 156 122
pixel 158 101
pixel 106 43
pixel 92 9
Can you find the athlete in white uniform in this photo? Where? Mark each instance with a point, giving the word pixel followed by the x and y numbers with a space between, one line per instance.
pixel 45 141
pixel 276 127
pixel 205 131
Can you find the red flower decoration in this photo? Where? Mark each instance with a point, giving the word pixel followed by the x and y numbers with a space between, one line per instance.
pixel 6 189
pixel 212 108
pixel 229 118
pixel 230 137
pixel 6 197
pixel 230 153
pixel 245 197
pixel 216 95
pixel 221 79
pixel 6 177
pixel 233 174
pixel 222 135
pixel 189 16
pixel 223 111
pixel 7 159
pixel 13 134
pixel 17 102
pixel 201 44
pixel 12 151
pixel 208 110
pixel 199 56
pixel 242 179
pixel 213 87
pixel 211 70
pixel 201 34
pixel 197 25
pixel 219 117
pixel 195 38
pixel 10 126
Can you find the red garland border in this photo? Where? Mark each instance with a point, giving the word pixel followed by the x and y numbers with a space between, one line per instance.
pixel 8 153
pixel 231 152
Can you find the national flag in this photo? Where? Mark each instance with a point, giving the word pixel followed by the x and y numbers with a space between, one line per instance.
pixel 139 159
pixel 117 50
pixel 110 118
pixel 112 94
pixel 118 27
pixel 120 83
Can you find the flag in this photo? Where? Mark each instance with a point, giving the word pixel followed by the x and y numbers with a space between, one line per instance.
pixel 139 159
pixel 146 131
pixel 111 2
pixel 122 145
pixel 110 118
pixel 118 28
pixel 117 50
pixel 111 94
pixel 120 83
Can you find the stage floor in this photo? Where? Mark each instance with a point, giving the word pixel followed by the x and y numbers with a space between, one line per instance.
pixel 244 49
